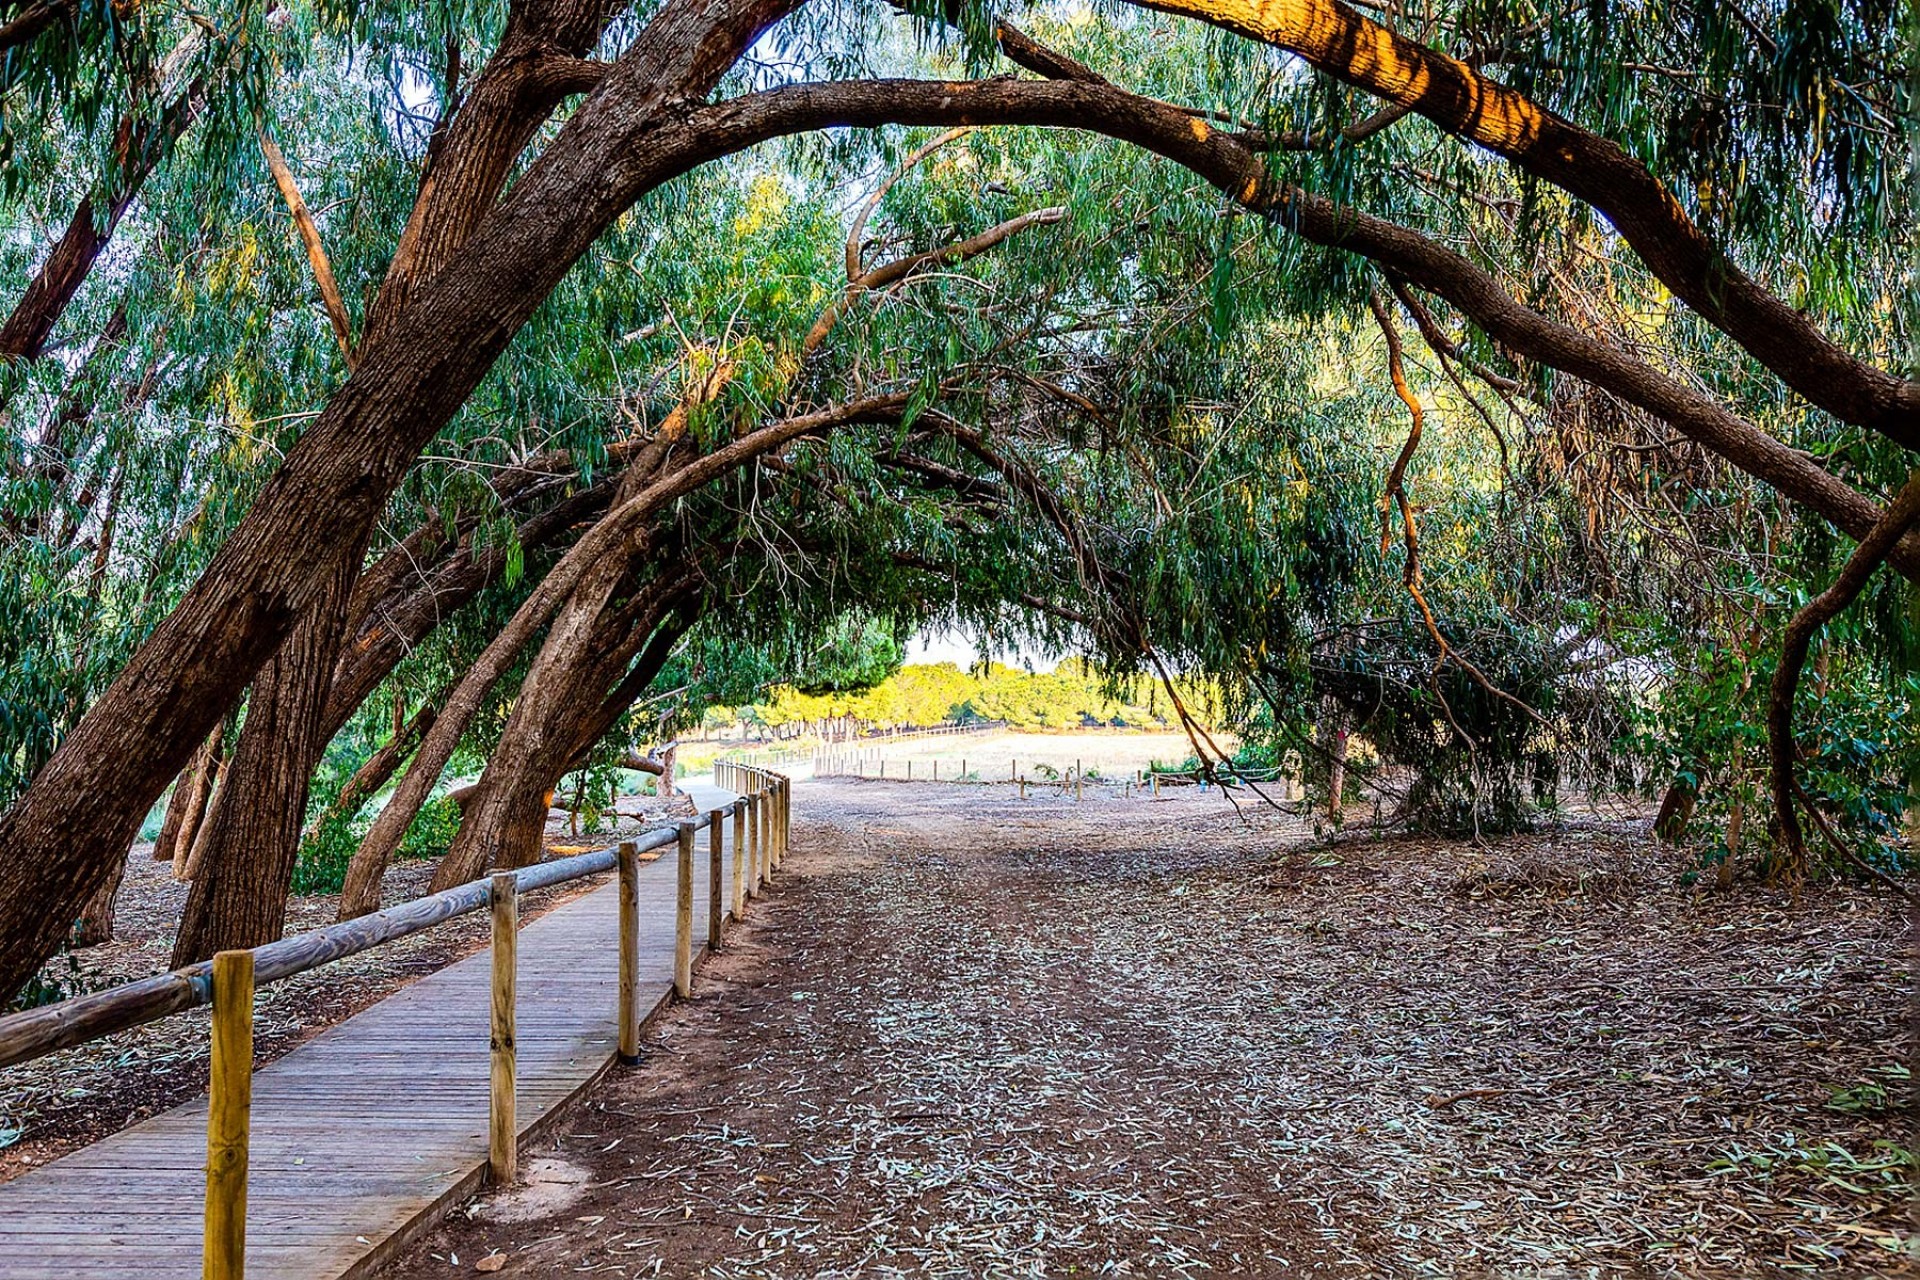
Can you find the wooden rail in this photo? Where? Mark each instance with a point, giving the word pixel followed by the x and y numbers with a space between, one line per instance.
pixel 229 981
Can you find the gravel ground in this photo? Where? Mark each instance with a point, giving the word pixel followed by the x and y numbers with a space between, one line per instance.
pixel 971 1036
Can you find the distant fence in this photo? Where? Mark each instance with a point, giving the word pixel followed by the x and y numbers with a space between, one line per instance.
pixel 761 824
pixel 1073 779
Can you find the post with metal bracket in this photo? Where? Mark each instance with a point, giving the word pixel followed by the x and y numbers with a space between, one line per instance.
pixel 229 1117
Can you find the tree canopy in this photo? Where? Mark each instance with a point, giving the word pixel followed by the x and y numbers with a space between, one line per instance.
pixel 492 387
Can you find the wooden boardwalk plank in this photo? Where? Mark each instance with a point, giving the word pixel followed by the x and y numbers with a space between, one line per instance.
pixel 360 1135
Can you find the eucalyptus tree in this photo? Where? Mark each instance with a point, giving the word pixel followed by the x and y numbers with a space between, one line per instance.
pixel 1757 191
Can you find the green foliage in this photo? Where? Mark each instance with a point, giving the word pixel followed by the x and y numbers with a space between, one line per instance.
pixel 1073 695
pixel 855 655
pixel 1202 398
pixel 321 866
pixel 322 863
pixel 59 979
pixel 433 829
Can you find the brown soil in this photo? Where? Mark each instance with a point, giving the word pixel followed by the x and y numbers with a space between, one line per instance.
pixel 66 1100
pixel 971 1036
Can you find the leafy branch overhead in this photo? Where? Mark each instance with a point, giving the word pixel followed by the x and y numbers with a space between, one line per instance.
pixel 401 390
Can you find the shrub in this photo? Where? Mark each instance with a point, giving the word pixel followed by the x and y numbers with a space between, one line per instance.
pixel 321 866
pixel 433 830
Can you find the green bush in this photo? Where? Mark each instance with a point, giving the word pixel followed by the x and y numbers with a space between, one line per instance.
pixel 433 830
pixel 321 866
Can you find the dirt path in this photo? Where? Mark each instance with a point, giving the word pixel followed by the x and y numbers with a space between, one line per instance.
pixel 975 1037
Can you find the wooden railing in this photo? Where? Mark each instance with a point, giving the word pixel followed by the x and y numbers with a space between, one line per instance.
pixel 761 825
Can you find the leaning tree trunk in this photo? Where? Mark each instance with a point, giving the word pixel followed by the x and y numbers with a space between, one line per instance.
pixel 539 740
pixel 193 845
pixel 186 794
pixel 96 921
pixel 239 896
pixel 581 683
pixel 199 799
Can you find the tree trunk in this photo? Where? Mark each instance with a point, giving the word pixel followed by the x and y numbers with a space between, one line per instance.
pixel 96 921
pixel 193 845
pixel 539 742
pixel 549 733
pixel 205 779
pixel 624 141
pixel 1334 739
pixel 1676 811
pixel 183 797
pixel 239 895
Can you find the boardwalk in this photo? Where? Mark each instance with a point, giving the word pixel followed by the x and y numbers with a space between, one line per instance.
pixel 365 1130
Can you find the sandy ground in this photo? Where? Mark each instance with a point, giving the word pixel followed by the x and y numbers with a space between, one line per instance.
pixel 971 1036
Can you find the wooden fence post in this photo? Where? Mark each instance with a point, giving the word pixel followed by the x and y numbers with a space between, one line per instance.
pixel 762 838
pixel 749 807
pixel 683 917
pixel 503 1139
pixel 1023 787
pixel 229 1111
pixel 774 796
pixel 739 868
pixel 629 857
pixel 784 790
pixel 714 881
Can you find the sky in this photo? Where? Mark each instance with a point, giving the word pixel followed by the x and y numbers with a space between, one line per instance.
pixel 949 645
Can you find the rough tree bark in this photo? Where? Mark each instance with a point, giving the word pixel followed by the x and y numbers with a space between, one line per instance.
pixel 183 797
pixel 239 894
pixel 627 138
pixel 559 714
pixel 240 899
